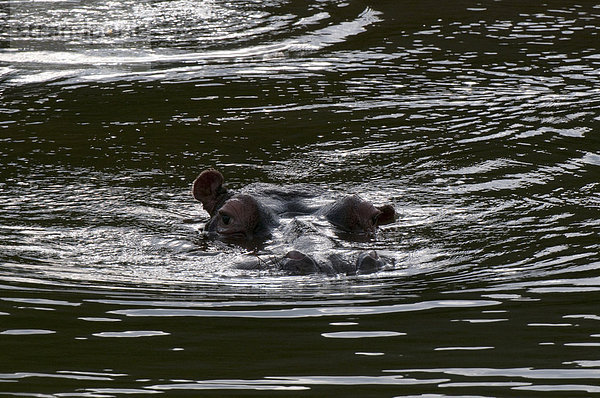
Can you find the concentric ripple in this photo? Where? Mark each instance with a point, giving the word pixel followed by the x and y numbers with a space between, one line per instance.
pixel 478 121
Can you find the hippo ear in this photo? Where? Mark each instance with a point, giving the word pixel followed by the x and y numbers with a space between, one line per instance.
pixel 207 187
pixel 387 216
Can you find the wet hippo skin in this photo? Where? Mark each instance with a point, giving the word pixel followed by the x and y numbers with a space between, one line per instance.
pixel 253 217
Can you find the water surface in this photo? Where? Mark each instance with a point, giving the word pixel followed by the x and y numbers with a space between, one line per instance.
pixel 478 120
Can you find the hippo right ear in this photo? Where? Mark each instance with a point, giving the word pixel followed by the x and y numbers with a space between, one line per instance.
pixel 387 216
pixel 207 188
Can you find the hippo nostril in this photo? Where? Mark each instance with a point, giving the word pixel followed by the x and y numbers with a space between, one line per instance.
pixel 368 262
pixel 295 255
pixel 299 263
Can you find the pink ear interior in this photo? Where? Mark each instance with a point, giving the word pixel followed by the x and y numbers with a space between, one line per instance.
pixel 206 185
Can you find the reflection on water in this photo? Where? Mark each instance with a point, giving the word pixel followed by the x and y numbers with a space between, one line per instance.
pixel 477 120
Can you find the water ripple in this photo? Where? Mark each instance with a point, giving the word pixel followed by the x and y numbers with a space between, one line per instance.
pixel 477 122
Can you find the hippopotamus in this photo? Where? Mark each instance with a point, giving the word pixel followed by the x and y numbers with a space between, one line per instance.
pixel 248 218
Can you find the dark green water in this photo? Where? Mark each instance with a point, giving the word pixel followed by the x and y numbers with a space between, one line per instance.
pixel 479 121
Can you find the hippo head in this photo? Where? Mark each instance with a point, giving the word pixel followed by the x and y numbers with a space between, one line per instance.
pixel 237 217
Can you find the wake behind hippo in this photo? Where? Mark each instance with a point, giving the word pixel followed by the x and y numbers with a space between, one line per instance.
pixel 246 218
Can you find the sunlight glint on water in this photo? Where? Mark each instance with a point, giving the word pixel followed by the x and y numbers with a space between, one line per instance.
pixel 478 121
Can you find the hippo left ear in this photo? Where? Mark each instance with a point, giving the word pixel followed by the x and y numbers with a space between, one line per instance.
pixel 387 216
pixel 207 188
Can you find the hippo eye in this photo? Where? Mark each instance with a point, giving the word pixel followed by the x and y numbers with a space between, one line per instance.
pixel 226 219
